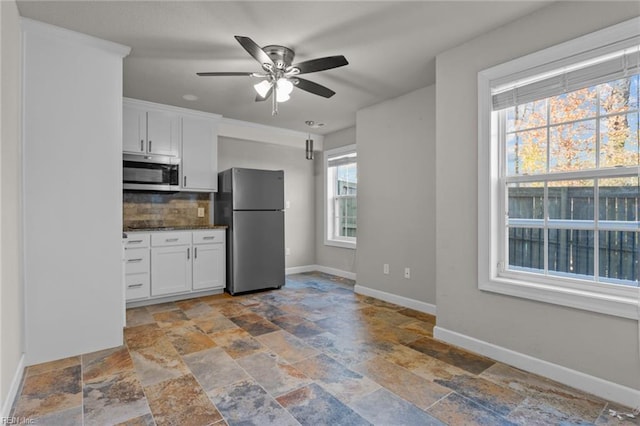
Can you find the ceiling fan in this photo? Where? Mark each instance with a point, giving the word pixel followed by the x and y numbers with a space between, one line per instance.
pixel 279 75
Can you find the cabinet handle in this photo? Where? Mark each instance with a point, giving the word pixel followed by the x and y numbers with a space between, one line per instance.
pixel 142 145
pixel 149 146
pixel 195 252
pixel 170 240
pixel 135 285
pixel 209 238
pixel 188 254
pixel 134 241
pixel 184 180
pixel 134 260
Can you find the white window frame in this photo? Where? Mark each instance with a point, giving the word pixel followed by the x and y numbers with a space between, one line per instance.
pixel 329 238
pixel 608 299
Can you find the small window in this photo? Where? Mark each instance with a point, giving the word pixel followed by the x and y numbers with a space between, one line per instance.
pixel 341 196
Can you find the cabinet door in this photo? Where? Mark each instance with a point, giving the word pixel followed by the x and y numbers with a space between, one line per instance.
pixel 163 133
pixel 170 270
pixel 199 154
pixel 134 129
pixel 208 266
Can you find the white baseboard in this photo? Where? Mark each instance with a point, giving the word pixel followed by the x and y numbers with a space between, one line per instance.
pixel 398 300
pixel 626 396
pixel 300 269
pixel 337 272
pixel 320 268
pixel 13 389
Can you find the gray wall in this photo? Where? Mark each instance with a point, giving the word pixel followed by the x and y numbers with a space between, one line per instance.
pixel 298 184
pixel 11 280
pixel 396 193
pixel 339 258
pixel 598 345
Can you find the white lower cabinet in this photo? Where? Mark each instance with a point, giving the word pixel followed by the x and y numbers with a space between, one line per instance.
pixel 170 270
pixel 174 263
pixel 208 266
pixel 137 286
pixel 137 269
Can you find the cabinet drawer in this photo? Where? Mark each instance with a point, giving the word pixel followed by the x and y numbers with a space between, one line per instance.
pixel 136 261
pixel 137 286
pixel 136 240
pixel 209 237
pixel 160 239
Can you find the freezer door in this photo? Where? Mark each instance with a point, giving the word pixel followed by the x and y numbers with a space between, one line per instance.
pixel 258 250
pixel 258 189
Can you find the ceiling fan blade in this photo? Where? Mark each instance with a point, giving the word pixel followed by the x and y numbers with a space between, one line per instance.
pixel 261 99
pixel 320 64
pixel 311 87
pixel 224 74
pixel 255 50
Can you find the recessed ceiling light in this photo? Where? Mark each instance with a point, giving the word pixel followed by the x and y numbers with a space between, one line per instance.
pixel 190 97
pixel 313 124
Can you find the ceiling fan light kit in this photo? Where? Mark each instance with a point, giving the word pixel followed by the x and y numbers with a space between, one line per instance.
pixel 280 75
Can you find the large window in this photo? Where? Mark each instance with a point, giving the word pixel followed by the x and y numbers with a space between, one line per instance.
pixel 559 167
pixel 341 202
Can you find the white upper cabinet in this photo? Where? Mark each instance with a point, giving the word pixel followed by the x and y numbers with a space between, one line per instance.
pixel 146 130
pixel 163 133
pixel 150 128
pixel 199 154
pixel 134 129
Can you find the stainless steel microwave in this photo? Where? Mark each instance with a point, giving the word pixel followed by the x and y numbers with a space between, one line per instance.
pixel 150 172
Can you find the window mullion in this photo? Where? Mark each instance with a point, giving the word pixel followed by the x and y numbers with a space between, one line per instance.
pixel 545 231
pixel 503 230
pixel 596 223
pixel 546 191
pixel 596 197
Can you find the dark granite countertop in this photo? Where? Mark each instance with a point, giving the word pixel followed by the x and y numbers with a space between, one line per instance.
pixel 174 228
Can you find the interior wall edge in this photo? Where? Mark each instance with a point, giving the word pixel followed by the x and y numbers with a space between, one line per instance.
pixel 13 389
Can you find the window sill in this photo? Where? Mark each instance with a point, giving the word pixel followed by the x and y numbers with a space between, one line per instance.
pixel 625 304
pixel 343 244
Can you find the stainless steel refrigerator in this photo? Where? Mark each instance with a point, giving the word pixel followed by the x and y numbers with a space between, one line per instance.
pixel 251 203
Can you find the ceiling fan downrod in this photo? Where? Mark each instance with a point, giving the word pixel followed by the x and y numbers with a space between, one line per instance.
pixel 274 99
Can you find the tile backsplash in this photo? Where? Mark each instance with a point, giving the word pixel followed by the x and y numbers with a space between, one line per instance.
pixel 163 209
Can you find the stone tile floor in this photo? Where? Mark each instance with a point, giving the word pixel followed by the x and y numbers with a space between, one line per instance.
pixel 312 353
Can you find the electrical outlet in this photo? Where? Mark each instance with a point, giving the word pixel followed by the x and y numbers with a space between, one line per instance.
pixel 287 251
pixel 385 269
pixel 287 204
pixel 200 211
pixel 407 273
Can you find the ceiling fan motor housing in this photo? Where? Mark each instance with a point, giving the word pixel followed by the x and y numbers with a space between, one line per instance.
pixel 280 55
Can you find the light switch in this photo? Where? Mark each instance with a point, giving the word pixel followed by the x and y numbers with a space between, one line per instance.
pixel 287 205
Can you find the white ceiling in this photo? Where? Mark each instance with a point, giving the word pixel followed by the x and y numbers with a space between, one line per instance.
pixel 390 47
